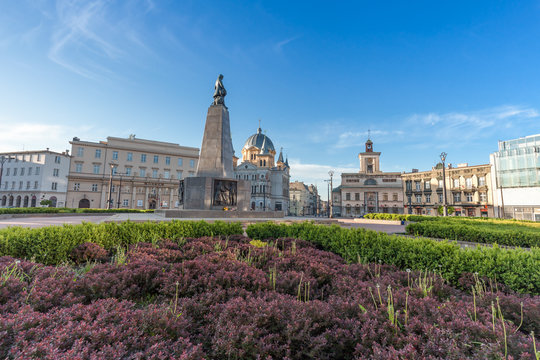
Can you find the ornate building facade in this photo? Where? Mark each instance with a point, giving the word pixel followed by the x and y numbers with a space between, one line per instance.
pixel 128 173
pixel 304 200
pixel 269 179
pixel 370 190
pixel 468 190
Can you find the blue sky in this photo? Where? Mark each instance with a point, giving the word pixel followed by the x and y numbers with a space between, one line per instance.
pixel 423 76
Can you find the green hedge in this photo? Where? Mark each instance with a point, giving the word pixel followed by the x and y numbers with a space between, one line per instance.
pixel 518 269
pixel 51 210
pixel 475 233
pixel 52 245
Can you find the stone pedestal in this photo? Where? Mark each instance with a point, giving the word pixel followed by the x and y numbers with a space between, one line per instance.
pixel 216 157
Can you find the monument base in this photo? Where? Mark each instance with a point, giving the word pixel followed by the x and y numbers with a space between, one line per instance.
pixel 218 214
pixel 210 193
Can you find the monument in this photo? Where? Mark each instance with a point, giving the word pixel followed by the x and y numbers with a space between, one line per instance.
pixel 213 191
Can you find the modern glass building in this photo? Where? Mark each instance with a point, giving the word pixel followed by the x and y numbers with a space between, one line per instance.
pixel 516 172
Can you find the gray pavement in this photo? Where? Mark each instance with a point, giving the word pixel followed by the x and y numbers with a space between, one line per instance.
pixel 40 221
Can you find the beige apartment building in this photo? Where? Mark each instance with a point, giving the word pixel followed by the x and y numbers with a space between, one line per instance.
pixel 304 199
pixel 370 190
pixel 128 173
pixel 468 190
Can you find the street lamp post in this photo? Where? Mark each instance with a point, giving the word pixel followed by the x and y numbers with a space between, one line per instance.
pixel 445 204
pixel 331 173
pixel 110 200
pixel 119 192
pixel 328 201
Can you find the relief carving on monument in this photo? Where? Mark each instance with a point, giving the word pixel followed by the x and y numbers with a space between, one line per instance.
pixel 225 192
pixel 181 189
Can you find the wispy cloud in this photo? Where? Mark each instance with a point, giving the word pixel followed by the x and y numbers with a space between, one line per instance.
pixel 468 126
pixel 278 47
pixel 316 174
pixel 33 136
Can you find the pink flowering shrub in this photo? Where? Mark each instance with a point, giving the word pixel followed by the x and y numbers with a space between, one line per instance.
pixel 222 298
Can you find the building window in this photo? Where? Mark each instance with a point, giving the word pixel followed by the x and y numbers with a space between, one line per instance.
pixel 179 174
pixel 20 185
pixel 408 185
pixel 191 163
pixel 385 197
pixel 156 159
pixel 39 157
pixel 128 171
pixel 97 168
pixel 348 196
pixel 483 197
pixel 114 170
pixel 37 170
pixel 28 184
pixel 428 198
pixel 457 197
pixel 7 171
pixel 167 174
pixel 80 152
pixel 139 203
pixel 417 185
pixel 469 197
pixel 180 162
pixel 22 171
pixel 154 173
pixel 113 188
pixel 427 185
pixel 418 198
pixel 76 186
pixel 482 181
pixel 94 187
pixel 54 186
pixel 129 156
pixel 143 158
pixel 14 171
pixel 125 203
pixel 142 172
pixel 29 171
pixel 115 155
pixel 456 183
pixel 441 184
pixel 167 160
pixel 395 197
pixel 55 172
pixel 440 198
pixel 357 196
pixel 36 184
pixel 98 154
pixel 78 168
pixel 468 183
pixel 13 184
pixel 57 159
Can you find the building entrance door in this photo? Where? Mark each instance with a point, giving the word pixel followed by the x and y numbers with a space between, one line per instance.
pixel 84 204
pixel 152 204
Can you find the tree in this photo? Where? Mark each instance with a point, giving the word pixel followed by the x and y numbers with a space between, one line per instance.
pixel 451 210
pixel 46 202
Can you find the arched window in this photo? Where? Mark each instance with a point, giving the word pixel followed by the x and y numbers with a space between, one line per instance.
pixel 18 203
pixel 25 202
pixel 4 200
pixel 34 199
pixel 10 203
pixel 53 201
pixel 370 182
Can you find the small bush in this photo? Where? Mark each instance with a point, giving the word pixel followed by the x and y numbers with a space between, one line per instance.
pixel 88 252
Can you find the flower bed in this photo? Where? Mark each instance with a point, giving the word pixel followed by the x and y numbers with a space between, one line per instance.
pixel 53 244
pixel 228 299
pixel 518 269
pixel 478 232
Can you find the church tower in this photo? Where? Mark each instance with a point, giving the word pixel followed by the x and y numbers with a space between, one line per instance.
pixel 369 160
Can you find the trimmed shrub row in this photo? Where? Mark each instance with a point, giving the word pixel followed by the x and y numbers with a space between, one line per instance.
pixel 516 268
pixel 50 210
pixel 52 245
pixel 475 233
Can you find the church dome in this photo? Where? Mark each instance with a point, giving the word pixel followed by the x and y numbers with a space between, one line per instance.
pixel 258 140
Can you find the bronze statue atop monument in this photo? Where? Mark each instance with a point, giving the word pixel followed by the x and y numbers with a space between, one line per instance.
pixel 219 91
